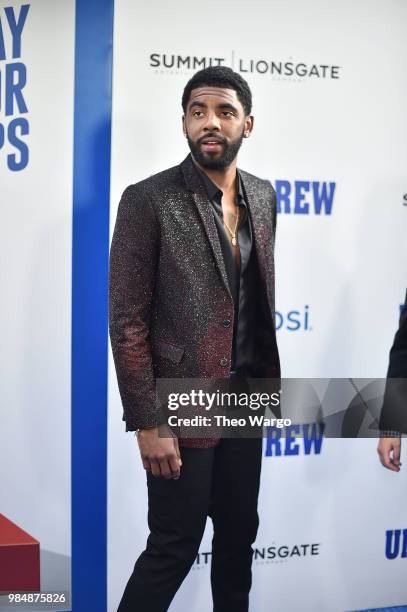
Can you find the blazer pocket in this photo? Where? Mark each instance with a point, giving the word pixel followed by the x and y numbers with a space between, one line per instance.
pixel 169 351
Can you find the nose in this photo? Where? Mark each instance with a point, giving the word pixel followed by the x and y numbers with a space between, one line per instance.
pixel 212 122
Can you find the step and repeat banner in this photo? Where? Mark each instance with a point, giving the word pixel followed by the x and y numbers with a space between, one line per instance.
pixel 37 44
pixel 329 133
pixel 330 129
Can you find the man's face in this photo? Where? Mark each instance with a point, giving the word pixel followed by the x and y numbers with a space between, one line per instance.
pixel 215 124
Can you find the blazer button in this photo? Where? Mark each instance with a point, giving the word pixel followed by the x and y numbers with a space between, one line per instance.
pixel 226 323
pixel 223 362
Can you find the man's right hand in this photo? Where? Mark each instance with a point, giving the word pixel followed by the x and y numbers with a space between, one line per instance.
pixel 159 451
pixel 389 453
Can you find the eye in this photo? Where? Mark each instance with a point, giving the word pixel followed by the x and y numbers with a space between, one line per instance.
pixel 197 113
pixel 227 113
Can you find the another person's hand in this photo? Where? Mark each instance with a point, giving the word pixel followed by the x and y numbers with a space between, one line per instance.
pixel 389 453
pixel 159 451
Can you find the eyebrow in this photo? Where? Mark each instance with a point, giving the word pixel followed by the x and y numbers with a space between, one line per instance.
pixel 222 105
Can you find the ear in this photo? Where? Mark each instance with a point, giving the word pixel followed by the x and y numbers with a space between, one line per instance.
pixel 248 126
pixel 184 129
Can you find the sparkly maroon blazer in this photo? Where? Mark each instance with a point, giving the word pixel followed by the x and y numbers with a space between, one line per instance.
pixel 168 289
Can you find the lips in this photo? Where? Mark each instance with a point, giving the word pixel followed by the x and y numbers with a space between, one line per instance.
pixel 211 140
pixel 209 144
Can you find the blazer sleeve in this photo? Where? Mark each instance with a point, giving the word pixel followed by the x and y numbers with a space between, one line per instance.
pixel 273 204
pixel 133 261
pixel 398 353
pixel 265 313
pixel 393 418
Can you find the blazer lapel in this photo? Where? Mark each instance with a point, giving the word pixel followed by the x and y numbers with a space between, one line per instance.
pixel 205 211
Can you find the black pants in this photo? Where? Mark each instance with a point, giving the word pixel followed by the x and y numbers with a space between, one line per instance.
pixel 220 482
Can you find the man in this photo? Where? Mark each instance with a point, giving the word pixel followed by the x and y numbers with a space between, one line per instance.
pixel 393 419
pixel 192 296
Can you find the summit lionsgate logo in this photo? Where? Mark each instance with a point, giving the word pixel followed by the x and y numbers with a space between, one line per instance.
pixel 273 553
pixel 277 68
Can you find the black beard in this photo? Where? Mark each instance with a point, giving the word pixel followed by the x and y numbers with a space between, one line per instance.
pixel 219 163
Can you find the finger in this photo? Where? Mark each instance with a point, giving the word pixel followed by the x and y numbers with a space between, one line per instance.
pixel 165 469
pixel 155 467
pixel 387 462
pixel 146 464
pixel 175 467
pixel 396 453
pixel 144 458
pixel 177 450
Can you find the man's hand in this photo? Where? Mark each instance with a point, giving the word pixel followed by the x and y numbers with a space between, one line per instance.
pixel 160 454
pixel 389 453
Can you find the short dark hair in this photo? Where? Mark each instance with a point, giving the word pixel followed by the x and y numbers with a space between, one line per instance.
pixel 219 76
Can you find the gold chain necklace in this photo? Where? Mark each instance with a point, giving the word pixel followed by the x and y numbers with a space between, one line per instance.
pixel 233 232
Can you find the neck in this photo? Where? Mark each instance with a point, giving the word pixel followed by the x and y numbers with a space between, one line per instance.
pixel 225 179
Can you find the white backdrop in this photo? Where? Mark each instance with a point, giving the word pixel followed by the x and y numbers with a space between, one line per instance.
pixel 340 276
pixel 36 200
pixel 344 272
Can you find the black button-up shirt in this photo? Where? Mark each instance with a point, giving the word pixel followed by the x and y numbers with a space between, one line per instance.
pixel 242 279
